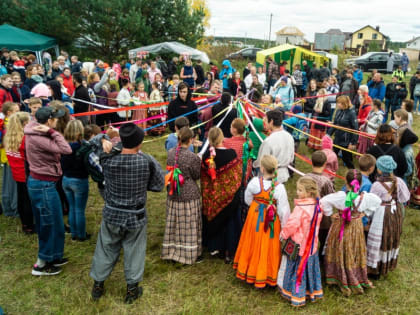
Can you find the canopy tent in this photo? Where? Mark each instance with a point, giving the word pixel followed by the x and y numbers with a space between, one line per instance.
pixel 292 54
pixel 14 38
pixel 174 47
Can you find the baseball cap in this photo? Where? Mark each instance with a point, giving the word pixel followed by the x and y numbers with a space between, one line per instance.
pixel 44 113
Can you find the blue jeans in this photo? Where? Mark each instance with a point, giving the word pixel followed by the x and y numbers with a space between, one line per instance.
pixel 46 206
pixel 77 193
pixel 416 103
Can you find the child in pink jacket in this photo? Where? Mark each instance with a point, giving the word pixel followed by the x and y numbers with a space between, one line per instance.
pixel 301 277
pixel 332 160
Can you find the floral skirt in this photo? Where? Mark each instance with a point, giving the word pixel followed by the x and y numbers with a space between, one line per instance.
pixel 314 143
pixel 364 144
pixel 345 260
pixel 310 287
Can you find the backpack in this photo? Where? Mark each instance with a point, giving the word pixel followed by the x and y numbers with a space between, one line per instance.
pixel 417 90
pixel 91 161
pixel 302 125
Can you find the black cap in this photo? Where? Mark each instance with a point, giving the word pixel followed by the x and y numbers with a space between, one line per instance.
pixel 131 135
pixel 44 113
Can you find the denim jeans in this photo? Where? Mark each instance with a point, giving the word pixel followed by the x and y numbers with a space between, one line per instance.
pixel 46 206
pixel 77 193
pixel 9 193
pixel 416 107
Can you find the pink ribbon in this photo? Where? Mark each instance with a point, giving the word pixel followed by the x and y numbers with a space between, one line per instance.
pixel 346 216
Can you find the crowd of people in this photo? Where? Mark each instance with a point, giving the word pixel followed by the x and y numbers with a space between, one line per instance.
pixel 53 141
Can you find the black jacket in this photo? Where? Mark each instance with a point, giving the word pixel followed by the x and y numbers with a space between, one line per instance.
pixel 200 74
pixel 178 107
pixel 413 82
pixel 81 93
pixel 393 95
pixel 172 68
pixel 76 67
pixel 233 87
pixel 396 153
pixel 225 126
pixel 345 118
pixel 310 102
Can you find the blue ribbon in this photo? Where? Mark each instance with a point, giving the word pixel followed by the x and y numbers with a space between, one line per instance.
pixel 260 215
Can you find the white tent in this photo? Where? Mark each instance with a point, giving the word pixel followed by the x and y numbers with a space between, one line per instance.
pixel 174 47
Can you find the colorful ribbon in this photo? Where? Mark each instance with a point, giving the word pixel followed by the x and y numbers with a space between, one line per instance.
pixel 346 213
pixel 309 248
pixel 174 179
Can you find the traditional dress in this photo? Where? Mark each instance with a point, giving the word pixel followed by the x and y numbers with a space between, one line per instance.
pixel 306 216
pixel 182 240
pixel 383 243
pixel 257 258
pixel 222 220
pixel 345 250
pixel 237 144
pixel 140 114
pixel 155 111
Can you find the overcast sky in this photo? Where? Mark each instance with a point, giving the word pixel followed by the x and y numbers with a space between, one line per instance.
pixel 398 19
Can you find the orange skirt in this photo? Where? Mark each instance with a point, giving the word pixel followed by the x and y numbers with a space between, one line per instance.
pixel 258 256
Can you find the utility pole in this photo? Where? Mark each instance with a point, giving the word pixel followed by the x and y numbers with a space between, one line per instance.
pixel 269 33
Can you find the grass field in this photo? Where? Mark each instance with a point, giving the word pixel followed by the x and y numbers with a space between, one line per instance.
pixel 206 288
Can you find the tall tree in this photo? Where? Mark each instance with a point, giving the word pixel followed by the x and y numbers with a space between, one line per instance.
pixel 108 28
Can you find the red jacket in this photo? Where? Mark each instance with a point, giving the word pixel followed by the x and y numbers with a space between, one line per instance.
pixel 5 96
pixel 17 162
pixel 364 111
pixel 68 83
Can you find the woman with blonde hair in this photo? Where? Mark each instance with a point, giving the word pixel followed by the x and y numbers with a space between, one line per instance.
pixel 345 117
pixel 14 142
pixel 321 112
pixel 75 181
pixel 221 172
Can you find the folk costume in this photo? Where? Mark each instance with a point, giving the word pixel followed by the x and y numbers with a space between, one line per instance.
pixel 383 243
pixel 221 171
pixel 345 250
pixel 299 278
pixel 182 240
pixel 257 258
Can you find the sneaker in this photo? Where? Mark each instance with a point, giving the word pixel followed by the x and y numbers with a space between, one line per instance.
pixel 97 290
pixel 59 262
pixel 48 270
pixel 133 293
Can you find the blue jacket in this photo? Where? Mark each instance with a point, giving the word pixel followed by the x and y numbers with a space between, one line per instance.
pixel 286 95
pixel 228 71
pixel 376 90
pixel 358 76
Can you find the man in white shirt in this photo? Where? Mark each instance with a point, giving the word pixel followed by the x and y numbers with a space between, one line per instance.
pixel 153 71
pixel 279 143
pixel 248 78
pixel 133 70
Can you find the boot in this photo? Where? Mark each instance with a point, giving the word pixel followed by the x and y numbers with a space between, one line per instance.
pixel 97 290
pixel 133 293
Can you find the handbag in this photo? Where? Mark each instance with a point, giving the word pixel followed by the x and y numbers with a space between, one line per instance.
pixel 290 249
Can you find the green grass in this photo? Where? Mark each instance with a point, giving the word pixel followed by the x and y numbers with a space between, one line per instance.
pixel 206 288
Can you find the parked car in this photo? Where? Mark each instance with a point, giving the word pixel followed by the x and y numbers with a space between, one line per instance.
pixel 374 60
pixel 246 53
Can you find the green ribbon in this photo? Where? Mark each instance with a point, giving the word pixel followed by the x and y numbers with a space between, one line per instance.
pixel 350 197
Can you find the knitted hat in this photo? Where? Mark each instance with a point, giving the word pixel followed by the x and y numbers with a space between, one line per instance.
pixel 284 79
pixel 131 135
pixel 41 90
pixel 386 164
pixel 327 142
pixel 296 109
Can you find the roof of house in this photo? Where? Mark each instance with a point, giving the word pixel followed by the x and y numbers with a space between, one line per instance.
pixel 371 28
pixel 290 30
pixel 413 40
pixel 334 31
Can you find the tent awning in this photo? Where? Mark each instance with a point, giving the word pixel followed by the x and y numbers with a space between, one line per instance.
pixel 15 38
pixel 293 54
pixel 174 47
